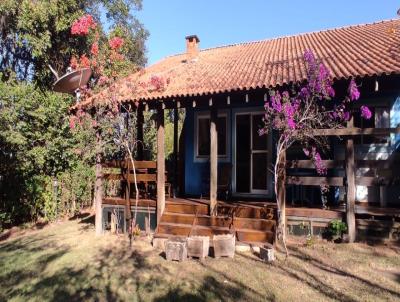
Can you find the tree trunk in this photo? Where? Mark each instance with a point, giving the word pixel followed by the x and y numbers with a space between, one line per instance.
pixel 282 194
pixel 98 188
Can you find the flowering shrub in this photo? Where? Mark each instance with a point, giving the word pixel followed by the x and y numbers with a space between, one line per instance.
pixel 83 25
pixel 94 50
pixel 295 114
pixel 116 43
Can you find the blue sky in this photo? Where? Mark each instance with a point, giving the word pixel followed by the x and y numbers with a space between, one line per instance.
pixel 221 22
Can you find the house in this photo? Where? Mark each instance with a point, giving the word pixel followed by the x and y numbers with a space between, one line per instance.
pixel 222 157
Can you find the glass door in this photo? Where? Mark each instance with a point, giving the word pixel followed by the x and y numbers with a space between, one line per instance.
pixel 259 156
pixel 251 155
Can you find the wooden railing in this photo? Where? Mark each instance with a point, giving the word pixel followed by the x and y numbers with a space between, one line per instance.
pixel 146 175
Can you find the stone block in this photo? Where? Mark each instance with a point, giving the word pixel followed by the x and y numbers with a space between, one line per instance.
pixel 176 249
pixel 267 253
pixel 198 246
pixel 224 245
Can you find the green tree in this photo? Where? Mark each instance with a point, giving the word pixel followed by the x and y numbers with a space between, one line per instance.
pixel 37 33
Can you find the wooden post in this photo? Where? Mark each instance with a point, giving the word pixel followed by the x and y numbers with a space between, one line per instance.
pixel 213 161
pixel 160 164
pixel 351 186
pixel 139 127
pixel 176 121
pixel 98 187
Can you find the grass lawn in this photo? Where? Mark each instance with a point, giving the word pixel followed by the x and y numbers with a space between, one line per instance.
pixel 65 262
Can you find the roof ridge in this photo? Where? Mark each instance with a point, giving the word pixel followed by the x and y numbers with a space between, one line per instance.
pixel 280 37
pixel 298 34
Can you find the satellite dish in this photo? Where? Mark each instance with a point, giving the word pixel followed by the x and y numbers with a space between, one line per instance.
pixel 71 81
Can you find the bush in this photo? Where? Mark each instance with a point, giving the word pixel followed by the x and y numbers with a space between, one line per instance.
pixel 336 228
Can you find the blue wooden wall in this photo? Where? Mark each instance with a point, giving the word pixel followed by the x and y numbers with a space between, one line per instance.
pixel 196 171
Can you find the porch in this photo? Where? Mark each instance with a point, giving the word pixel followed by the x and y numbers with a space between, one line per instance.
pixel 220 149
pixel 254 222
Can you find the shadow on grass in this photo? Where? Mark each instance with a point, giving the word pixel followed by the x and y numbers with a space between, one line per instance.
pixel 373 287
pixel 79 216
pixel 115 273
pixel 88 219
pixel 211 289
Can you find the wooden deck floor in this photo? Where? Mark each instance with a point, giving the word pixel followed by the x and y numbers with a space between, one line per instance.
pixel 333 213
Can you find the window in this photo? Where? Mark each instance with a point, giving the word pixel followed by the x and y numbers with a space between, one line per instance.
pixel 203 136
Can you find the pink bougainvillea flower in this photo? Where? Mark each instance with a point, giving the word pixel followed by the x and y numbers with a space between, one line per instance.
pixel 365 112
pixel 116 43
pixel 83 25
pixel 304 92
pixel 291 124
pixel 94 50
pixel 331 91
pixel 319 164
pixel 309 56
pixel 84 61
pixel 354 94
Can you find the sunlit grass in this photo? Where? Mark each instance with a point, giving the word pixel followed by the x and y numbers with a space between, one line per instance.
pixel 66 262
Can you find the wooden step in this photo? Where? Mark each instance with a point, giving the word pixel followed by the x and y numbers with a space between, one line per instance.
pixel 204 220
pixel 246 235
pixel 186 208
pixel 268 213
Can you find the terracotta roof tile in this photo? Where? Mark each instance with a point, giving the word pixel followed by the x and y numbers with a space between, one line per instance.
pixel 359 50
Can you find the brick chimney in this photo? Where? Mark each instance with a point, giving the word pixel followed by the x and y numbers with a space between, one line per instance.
pixel 192 47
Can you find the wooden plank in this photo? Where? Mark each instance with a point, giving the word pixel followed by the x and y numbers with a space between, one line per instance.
pixel 351 187
pixel 309 164
pixel 213 161
pixel 356 131
pixel 377 211
pixel 242 235
pixel 382 224
pixel 139 164
pixel 314 180
pixel 160 163
pixel 118 201
pixel 314 213
pixel 139 177
pixel 379 164
pixel 144 177
pixel 246 236
pixel 186 208
pixel 370 181
pixel 144 164
pixel 337 164
pixel 268 213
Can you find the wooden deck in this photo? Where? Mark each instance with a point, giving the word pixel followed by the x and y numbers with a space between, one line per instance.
pixel 253 222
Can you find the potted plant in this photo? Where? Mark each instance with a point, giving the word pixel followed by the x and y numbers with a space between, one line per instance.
pixel 336 229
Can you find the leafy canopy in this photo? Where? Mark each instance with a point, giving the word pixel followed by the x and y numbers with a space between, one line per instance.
pixel 37 33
